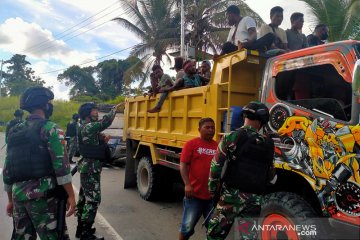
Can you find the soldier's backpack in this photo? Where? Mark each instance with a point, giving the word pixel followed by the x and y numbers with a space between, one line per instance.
pixel 28 155
pixel 249 168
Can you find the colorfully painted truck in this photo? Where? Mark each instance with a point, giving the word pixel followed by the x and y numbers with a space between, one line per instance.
pixel 314 100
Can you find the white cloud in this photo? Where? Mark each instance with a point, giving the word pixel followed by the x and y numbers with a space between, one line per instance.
pixel 23 37
pixel 61 91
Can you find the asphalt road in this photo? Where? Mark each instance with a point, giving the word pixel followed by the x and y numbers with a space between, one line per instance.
pixel 122 213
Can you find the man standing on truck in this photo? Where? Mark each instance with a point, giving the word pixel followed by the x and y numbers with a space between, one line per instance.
pixel 194 168
pixel 296 39
pixel 243 31
pixel 239 172
pixel 93 151
pixel 320 34
pixel 276 16
pixel 35 165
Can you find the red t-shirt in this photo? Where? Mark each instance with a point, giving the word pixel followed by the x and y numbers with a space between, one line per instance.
pixel 198 154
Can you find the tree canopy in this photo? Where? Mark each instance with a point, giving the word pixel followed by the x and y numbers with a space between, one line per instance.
pixel 110 78
pixel 19 76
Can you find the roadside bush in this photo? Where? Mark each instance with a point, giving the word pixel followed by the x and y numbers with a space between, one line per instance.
pixel 63 111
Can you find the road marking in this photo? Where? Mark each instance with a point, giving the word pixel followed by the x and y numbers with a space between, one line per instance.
pixel 105 224
pixel 0 170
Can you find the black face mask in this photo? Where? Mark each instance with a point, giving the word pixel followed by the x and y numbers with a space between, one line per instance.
pixel 49 110
pixel 324 36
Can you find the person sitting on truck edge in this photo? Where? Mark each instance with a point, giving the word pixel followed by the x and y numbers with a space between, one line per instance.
pixel 191 78
pixel 205 69
pixel 194 168
pixel 243 31
pixel 320 34
pixel 153 88
pixel 296 39
pixel 276 16
pixel 164 83
pixel 178 67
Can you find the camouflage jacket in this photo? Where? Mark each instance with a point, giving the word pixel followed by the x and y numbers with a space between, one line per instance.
pixel 90 134
pixel 10 125
pixel 226 146
pixel 37 188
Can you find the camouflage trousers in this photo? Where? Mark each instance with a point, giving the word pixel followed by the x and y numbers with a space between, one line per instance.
pixel 36 216
pixel 89 196
pixel 233 204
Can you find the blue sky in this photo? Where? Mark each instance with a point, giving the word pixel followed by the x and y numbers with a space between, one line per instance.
pixel 36 28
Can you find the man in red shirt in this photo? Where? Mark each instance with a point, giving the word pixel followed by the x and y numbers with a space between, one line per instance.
pixel 195 162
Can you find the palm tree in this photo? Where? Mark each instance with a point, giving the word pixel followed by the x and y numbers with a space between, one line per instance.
pixel 208 23
pixel 156 23
pixel 341 16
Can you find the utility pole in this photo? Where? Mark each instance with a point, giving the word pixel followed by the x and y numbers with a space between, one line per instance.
pixel 2 62
pixel 182 36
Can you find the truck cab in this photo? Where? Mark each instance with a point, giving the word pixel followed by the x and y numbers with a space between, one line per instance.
pixel 313 99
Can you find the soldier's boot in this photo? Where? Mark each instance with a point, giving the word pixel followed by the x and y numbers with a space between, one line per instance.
pixel 80 227
pixel 86 233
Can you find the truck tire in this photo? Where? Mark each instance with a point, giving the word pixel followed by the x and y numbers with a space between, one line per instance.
pixel 148 183
pixel 130 170
pixel 286 208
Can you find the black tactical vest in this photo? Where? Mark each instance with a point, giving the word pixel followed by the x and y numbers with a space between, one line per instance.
pixel 28 155
pixel 249 170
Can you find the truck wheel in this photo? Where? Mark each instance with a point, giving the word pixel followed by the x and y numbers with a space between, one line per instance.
pixel 147 179
pixel 130 170
pixel 285 208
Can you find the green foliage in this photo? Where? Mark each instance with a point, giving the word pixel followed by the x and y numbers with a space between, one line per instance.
pixel 156 23
pixel 117 100
pixel 103 82
pixel 63 110
pixel 85 98
pixel 19 76
pixel 81 80
pixel 341 16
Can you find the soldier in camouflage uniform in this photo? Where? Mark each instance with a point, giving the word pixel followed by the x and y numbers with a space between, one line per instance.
pixel 18 114
pixel 90 166
pixel 72 133
pixel 233 202
pixel 35 164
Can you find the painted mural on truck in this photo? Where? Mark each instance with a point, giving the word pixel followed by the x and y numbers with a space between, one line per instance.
pixel 326 154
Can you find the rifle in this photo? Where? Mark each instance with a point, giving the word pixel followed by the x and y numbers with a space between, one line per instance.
pixel 61 194
pixel 217 194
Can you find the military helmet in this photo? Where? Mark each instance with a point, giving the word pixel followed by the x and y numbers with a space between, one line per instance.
pixel 35 97
pixel 75 116
pixel 256 111
pixel 18 113
pixel 85 109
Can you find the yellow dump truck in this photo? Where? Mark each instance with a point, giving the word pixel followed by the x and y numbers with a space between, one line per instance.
pixel 313 96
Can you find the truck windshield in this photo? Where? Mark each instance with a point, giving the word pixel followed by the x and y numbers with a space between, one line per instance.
pixel 318 88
